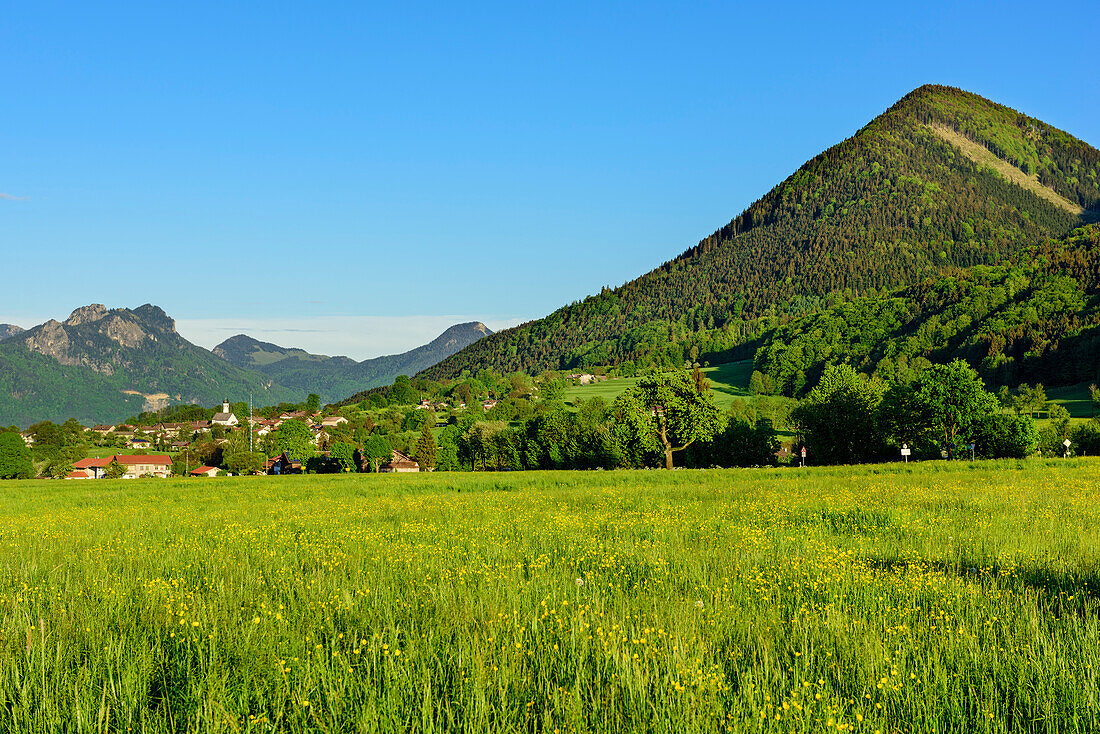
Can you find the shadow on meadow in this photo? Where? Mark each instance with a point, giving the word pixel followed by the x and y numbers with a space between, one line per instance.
pixel 1058 590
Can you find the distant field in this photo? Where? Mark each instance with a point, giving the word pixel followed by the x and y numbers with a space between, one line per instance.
pixel 727 381
pixel 934 597
pixel 1076 399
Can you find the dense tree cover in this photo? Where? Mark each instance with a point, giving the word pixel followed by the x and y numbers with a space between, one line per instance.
pixel 595 435
pixel 1039 320
pixel 114 470
pixel 172 414
pixel 943 409
pixel 892 206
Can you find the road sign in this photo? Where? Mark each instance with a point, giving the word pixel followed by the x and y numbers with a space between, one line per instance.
pixel 803 452
pixel 905 451
pixel 1067 443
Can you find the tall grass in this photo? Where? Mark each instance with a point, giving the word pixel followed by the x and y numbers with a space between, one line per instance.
pixel 896 598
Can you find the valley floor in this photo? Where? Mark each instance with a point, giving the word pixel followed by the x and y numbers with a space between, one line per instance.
pixel 938 597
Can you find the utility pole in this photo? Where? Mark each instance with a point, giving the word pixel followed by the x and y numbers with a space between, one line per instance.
pixel 250 429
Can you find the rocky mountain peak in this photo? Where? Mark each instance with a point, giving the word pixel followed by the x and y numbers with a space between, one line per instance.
pixel 86 314
pixel 156 317
pixel 9 330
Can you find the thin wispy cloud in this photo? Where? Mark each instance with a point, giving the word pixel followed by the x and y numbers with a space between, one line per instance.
pixel 13 197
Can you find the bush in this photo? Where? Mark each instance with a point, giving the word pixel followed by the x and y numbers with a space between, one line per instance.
pixel 1002 436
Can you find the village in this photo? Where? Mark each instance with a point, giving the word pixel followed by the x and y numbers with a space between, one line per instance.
pixel 178 437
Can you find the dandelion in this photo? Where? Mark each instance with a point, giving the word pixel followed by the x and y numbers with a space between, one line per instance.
pixel 699 604
pixel 579 581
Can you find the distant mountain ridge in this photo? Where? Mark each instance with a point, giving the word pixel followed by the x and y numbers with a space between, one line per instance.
pixel 334 378
pixel 942 182
pixel 9 330
pixel 105 364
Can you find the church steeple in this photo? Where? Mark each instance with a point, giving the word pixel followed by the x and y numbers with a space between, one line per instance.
pixel 225 405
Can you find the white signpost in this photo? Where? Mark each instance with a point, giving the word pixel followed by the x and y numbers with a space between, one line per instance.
pixel 1067 443
pixel 803 462
pixel 905 451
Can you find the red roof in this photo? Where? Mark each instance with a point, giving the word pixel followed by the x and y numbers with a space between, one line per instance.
pixel 204 469
pixel 144 459
pixel 93 462
pixel 78 475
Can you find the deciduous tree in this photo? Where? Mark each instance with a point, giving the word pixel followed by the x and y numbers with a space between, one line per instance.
pixel 955 399
pixel 15 459
pixel 668 411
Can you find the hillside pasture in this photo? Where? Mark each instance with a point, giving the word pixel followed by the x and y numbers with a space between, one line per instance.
pixel 728 382
pixel 930 597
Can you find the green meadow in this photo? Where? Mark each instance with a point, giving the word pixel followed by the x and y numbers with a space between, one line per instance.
pixel 890 598
pixel 728 383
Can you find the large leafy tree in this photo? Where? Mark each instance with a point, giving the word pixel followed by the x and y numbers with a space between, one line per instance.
pixel 837 419
pixel 954 398
pixel 294 438
pixel 403 393
pixel 377 451
pixel 244 462
pixel 668 412
pixel 343 452
pixel 15 460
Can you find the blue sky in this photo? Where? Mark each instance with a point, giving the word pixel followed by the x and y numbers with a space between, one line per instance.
pixel 352 177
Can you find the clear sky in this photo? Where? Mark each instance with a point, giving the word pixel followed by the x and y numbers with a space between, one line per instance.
pixel 315 173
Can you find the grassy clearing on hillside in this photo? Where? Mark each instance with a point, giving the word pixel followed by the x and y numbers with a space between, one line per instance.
pixel 728 382
pixel 887 598
pixel 1075 398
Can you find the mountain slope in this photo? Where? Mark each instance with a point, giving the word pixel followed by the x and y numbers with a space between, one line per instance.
pixel 1035 321
pixel 337 377
pixel 9 330
pixel 103 365
pixel 893 205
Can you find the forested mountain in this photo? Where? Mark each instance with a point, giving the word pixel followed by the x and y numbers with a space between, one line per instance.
pixel 103 365
pixel 337 377
pixel 942 182
pixel 9 330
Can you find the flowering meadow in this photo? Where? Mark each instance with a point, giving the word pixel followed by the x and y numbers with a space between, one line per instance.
pixel 893 598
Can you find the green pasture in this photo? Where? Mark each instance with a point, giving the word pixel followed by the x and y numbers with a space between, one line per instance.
pixel 1075 398
pixel 727 382
pixel 945 597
